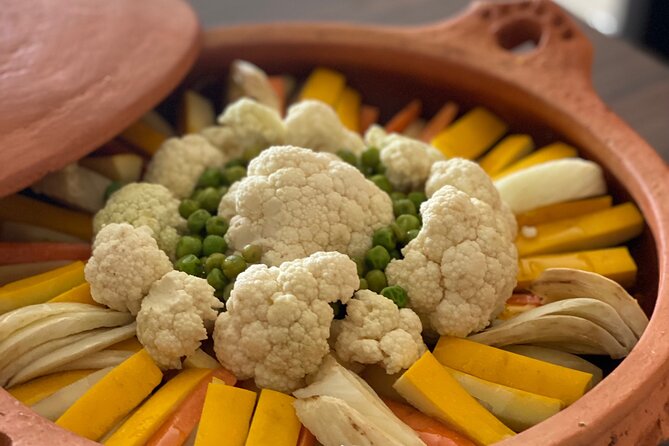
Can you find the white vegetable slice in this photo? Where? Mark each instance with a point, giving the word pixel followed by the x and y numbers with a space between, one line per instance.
pixel 201 360
pixel 566 283
pixel 53 406
pixel 28 358
pixel 96 360
pixel 74 351
pixel 335 381
pixel 558 357
pixel 58 326
pixel 568 333
pixel 247 80
pixel 75 186
pixel 593 310
pixel 335 423
pixel 551 182
pixel 19 318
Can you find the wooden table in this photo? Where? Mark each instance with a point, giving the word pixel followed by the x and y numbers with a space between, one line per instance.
pixel 633 83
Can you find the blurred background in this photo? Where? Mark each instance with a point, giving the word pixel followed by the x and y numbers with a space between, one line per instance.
pixel 645 23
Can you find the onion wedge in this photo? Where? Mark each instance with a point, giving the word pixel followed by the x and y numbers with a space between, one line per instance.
pixel 96 360
pixel 19 318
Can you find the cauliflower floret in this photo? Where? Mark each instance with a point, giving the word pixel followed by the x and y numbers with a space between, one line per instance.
pixel 278 321
pixel 460 268
pixel 147 204
pixel 295 202
pixel 375 331
pixel 246 124
pixel 125 263
pixel 179 162
pixel 468 177
pixel 315 125
pixel 170 323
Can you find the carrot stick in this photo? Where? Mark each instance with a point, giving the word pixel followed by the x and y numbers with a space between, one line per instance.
pixel 431 431
pixel 31 252
pixel 368 115
pixel 176 429
pixel 278 84
pixel 306 438
pixel 404 117
pixel 444 116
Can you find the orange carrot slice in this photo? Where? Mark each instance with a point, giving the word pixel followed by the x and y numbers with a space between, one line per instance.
pixel 30 252
pixel 306 438
pixel 431 431
pixel 369 115
pixel 404 117
pixel 278 84
pixel 176 429
pixel 444 116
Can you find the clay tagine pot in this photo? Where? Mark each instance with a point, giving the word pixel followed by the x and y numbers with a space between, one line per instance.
pixel 546 92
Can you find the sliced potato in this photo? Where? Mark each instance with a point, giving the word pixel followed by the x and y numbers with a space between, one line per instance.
pixel 123 167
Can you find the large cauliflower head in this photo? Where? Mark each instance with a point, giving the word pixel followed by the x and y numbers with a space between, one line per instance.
pixel 407 160
pixel 375 331
pixel 246 125
pixel 278 321
pixel 170 323
pixel 179 162
pixel 315 124
pixel 125 263
pixel 145 204
pixel 295 202
pixel 471 179
pixel 460 268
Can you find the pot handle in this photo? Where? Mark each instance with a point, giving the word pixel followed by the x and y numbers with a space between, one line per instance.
pixel 528 38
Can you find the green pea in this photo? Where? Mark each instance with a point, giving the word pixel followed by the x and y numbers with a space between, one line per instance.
pixel 211 177
pixel 363 284
pixel 384 237
pixel 209 199
pixel 223 190
pixel 251 153
pixel 377 258
pixel 227 291
pixel 397 196
pixel 371 157
pixel 380 168
pixel 412 234
pixel 408 222
pixel 382 183
pixel 252 253
pixel 404 206
pixel 376 280
pixel 234 173
pixel 418 198
pixel 400 234
pixel 196 194
pixel 235 162
pixel 188 245
pixel 213 261
pixel 216 226
pixel 197 221
pixel 397 294
pixel 339 309
pixel 360 265
pixel 348 156
pixel 216 279
pixel 187 207
pixel 233 265
pixel 190 264
pixel 213 244
pixel 113 187
pixel 395 253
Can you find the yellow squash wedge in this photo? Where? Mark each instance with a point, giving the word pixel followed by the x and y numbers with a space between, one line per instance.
pixel 512 370
pixel 551 152
pixel 506 152
pixel 470 135
pixel 432 390
pixel 226 416
pixel 324 85
pixel 113 397
pixel 40 288
pixel 39 388
pixel 274 421
pixel 148 133
pixel 560 211
pixel 348 109
pixel 80 293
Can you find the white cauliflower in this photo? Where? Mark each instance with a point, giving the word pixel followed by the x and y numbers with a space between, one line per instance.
pixel 375 331
pixel 125 263
pixel 147 204
pixel 471 179
pixel 278 321
pixel 407 160
pixel 179 162
pixel 315 125
pixel 170 323
pixel 460 268
pixel 246 124
pixel 295 202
